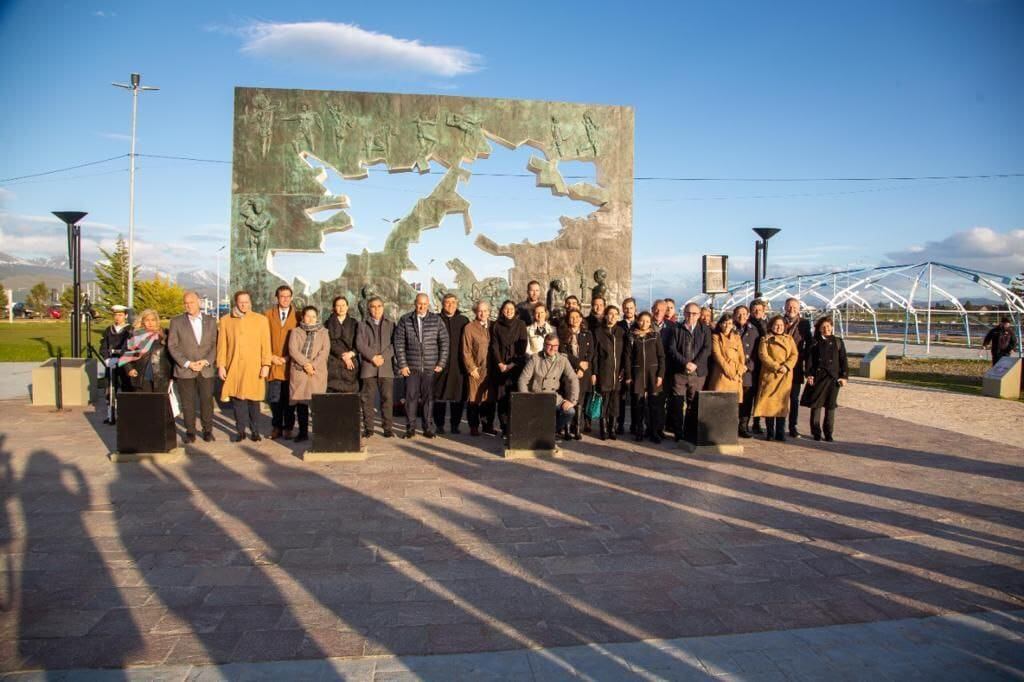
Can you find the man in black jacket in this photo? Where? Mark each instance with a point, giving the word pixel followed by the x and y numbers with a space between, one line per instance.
pixel 421 353
pixel 373 342
pixel 800 330
pixel 450 387
pixel 688 366
pixel 1000 340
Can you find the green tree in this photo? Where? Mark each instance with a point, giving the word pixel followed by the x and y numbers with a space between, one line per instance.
pixel 38 298
pixel 3 298
pixel 161 295
pixel 112 276
pixel 67 300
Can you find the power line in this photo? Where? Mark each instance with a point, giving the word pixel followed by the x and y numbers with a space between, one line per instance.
pixel 61 170
pixel 640 178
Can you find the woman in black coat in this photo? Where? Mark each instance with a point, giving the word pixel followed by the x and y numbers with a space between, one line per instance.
pixel 610 357
pixel 645 373
pixel 577 344
pixel 145 360
pixel 508 356
pixel 826 372
pixel 343 359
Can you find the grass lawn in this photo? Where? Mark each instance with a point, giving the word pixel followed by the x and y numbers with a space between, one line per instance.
pixel 38 340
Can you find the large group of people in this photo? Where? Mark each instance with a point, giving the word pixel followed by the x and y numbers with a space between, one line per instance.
pixel 599 367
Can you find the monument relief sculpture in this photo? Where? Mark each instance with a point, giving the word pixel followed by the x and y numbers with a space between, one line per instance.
pixel 284 204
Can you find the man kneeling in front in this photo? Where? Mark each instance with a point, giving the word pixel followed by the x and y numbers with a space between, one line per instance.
pixel 544 373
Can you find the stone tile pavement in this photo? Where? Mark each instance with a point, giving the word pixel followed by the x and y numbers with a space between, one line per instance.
pixel 243 554
pixel 982 646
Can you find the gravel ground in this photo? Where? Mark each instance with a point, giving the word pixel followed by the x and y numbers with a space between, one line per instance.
pixel 1001 421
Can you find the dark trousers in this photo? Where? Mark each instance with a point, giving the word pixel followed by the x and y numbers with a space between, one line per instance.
pixel 188 389
pixel 456 407
pixel 302 414
pixel 794 404
pixel 419 396
pixel 648 417
pixel 775 427
pixel 626 397
pixel 505 404
pixel 578 417
pixel 747 406
pixel 282 413
pixel 247 413
pixel 372 388
pixel 609 408
pixel 685 388
pixel 830 421
pixel 477 412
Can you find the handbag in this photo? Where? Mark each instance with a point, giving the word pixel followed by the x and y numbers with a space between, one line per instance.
pixel 592 410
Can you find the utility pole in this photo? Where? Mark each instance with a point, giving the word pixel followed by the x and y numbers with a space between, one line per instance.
pixel 135 87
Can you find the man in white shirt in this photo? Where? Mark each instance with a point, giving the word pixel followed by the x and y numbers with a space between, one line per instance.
pixel 192 342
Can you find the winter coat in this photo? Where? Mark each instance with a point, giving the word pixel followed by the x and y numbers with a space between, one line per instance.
pixel 685 346
pixel 302 386
pixel 802 335
pixel 451 384
pixel 646 362
pixel 158 362
pixel 610 357
pixel 1002 342
pixel 749 337
pixel 279 338
pixel 774 386
pixel 524 310
pixel 508 346
pixel 730 364
pixel 375 339
pixel 545 373
pixel 114 342
pixel 584 353
pixel 476 343
pixel 420 355
pixel 243 349
pixel 342 335
pixel 826 362
pixel 535 337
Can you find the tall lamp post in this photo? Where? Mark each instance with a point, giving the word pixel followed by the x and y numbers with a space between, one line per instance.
pixel 71 219
pixel 217 302
pixel 135 87
pixel 761 255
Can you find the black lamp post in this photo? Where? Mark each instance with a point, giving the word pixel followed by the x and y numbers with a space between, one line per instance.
pixel 71 219
pixel 761 255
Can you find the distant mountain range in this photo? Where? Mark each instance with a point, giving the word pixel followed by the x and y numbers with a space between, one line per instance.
pixel 21 274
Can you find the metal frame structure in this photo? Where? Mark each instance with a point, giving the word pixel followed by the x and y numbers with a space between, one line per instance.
pixel 836 291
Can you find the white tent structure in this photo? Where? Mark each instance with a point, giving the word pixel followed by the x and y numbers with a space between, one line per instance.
pixel 915 289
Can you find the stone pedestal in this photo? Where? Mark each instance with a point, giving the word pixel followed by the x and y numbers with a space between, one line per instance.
pixel 76 382
pixel 145 429
pixel 715 427
pixel 1003 380
pixel 873 365
pixel 337 432
pixel 532 426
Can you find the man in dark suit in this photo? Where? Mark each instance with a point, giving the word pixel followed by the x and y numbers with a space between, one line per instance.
pixel 192 342
pixel 687 355
pixel 374 345
pixel 800 329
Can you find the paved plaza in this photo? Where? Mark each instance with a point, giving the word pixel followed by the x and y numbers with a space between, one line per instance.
pixel 895 552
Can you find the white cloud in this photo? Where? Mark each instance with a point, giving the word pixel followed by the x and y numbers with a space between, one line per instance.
pixel 337 45
pixel 6 195
pixel 980 248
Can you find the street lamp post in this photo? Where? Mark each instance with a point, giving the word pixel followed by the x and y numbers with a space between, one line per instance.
pixel 71 219
pixel 761 255
pixel 135 87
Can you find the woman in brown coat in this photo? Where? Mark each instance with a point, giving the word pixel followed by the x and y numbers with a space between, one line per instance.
pixel 309 346
pixel 730 362
pixel 778 355
pixel 476 341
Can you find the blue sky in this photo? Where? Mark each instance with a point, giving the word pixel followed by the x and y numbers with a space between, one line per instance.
pixel 721 89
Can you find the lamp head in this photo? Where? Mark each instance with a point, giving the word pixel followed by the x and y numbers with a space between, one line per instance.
pixel 136 79
pixel 70 217
pixel 766 233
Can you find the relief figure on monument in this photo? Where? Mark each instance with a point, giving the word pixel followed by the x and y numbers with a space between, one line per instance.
pixel 257 220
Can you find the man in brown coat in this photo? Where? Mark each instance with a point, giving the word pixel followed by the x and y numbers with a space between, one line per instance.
pixel 283 318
